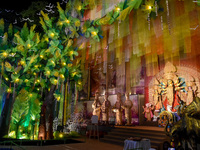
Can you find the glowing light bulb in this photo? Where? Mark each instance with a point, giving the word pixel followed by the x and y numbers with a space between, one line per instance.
pixel 38 81
pixel 41 56
pixel 52 34
pixel 64 64
pixel 30 95
pixel 55 81
pixel 5 54
pixel 16 80
pixel 22 62
pixel 52 62
pixel 9 90
pixel 26 80
pixel 62 76
pixel 79 82
pixel 79 7
pixel 28 45
pixel 71 52
pixel 67 21
pixel 58 98
pixel 149 7
pixel 48 72
pixel 94 33
pixel 117 9
pixel 6 79
pixel 61 135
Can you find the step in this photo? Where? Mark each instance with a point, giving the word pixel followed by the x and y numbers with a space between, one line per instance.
pixel 124 130
pixel 137 133
pixel 110 135
pixel 118 135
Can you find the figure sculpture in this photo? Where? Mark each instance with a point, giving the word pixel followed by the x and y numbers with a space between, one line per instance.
pixel 127 106
pixel 171 98
pixel 118 110
pixel 191 91
pixel 96 106
pixel 170 84
pixel 105 108
pixel 157 96
pixel 148 111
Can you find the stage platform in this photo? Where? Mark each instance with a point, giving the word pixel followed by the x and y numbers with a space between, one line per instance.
pixel 118 134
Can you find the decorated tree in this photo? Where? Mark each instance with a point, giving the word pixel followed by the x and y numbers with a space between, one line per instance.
pixel 42 63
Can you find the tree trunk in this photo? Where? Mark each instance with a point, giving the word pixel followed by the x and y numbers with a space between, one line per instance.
pixel 42 126
pixel 6 114
pixel 17 131
pixel 32 129
pixel 49 101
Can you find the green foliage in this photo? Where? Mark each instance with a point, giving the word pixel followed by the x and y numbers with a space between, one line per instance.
pixel 26 111
pixel 32 62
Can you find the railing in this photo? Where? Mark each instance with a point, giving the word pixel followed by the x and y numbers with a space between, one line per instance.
pixel 11 144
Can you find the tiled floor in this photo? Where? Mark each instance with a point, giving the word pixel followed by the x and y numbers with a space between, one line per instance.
pixel 90 144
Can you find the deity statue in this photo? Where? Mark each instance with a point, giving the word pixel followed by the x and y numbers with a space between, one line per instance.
pixel 118 109
pixel 96 105
pixel 105 108
pixel 127 106
pixel 191 89
pixel 148 111
pixel 171 86
pixel 157 99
